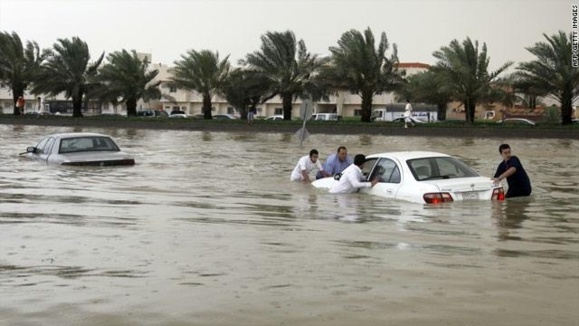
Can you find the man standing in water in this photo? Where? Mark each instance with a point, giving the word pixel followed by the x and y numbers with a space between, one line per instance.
pixel 512 169
pixel 305 165
pixel 352 178
pixel 336 163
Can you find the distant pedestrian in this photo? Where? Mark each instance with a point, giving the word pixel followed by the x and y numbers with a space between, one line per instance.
pixel 408 115
pixel 20 102
pixel 251 115
pixel 40 104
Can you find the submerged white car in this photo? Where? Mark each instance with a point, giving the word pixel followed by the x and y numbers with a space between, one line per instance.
pixel 81 149
pixel 423 177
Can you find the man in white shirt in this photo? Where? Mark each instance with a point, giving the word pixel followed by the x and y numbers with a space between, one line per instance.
pixel 408 114
pixel 351 179
pixel 305 165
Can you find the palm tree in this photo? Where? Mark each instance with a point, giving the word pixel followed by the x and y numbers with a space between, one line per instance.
pixel 68 69
pixel 553 72
pixel 287 65
pixel 426 87
pixel 126 79
pixel 464 71
pixel 201 72
pixel 358 65
pixel 244 89
pixel 18 64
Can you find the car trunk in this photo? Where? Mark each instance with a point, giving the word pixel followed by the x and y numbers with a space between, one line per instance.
pixel 98 159
pixel 466 188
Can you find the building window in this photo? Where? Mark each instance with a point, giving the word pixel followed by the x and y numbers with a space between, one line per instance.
pixel 278 111
pixel 357 113
pixel 172 89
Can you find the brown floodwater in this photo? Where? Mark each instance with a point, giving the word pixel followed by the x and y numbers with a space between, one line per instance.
pixel 207 229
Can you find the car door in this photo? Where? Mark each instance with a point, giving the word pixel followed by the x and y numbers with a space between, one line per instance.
pixel 49 149
pixel 44 148
pixel 389 178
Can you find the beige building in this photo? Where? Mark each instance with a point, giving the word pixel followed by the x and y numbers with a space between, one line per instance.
pixel 343 103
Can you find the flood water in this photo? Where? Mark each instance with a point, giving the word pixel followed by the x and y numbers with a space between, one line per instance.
pixel 207 229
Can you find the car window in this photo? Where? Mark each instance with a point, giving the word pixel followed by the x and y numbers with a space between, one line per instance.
pixel 49 143
pixel 439 168
pixel 368 165
pixel 387 171
pixel 41 145
pixel 87 144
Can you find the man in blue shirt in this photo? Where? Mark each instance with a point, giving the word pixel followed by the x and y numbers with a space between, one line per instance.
pixel 336 163
pixel 512 169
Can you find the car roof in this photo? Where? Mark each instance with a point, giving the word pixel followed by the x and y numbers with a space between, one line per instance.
pixel 77 134
pixel 518 119
pixel 408 155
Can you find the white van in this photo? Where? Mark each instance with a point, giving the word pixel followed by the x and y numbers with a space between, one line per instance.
pixel 325 117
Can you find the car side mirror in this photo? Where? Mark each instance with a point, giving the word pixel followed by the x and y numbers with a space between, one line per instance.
pixel 31 149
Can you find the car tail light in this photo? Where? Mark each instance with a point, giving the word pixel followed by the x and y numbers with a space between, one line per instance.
pixel 498 194
pixel 437 197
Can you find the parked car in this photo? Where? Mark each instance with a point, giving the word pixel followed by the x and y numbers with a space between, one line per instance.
pixel 517 121
pixel 413 119
pixel 111 114
pixel 178 114
pixel 224 117
pixel 423 177
pixel 325 117
pixel 79 149
pixel 152 113
pixel 275 117
pixel 37 113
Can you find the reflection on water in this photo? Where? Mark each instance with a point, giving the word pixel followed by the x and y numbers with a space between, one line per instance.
pixel 206 229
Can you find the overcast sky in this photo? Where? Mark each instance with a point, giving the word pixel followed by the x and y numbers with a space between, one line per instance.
pixel 168 28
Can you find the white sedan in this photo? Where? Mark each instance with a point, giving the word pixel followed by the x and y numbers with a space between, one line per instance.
pixel 423 177
pixel 79 149
pixel 275 117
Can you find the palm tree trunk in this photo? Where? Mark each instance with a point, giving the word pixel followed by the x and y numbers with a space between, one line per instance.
pixel 566 100
pixel 366 106
pixel 77 105
pixel 441 108
pixel 132 107
pixel 17 91
pixel 287 106
pixel 206 106
pixel 470 109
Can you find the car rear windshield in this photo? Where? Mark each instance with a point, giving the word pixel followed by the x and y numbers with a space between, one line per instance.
pixel 87 144
pixel 432 168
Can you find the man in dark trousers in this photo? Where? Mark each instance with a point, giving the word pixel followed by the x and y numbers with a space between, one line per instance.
pixel 512 169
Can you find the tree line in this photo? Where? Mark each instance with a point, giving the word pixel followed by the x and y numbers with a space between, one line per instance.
pixel 282 66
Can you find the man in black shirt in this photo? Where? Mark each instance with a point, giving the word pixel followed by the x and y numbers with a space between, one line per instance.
pixel 512 169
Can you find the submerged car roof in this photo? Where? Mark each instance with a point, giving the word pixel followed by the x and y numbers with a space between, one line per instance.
pixel 408 155
pixel 77 134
